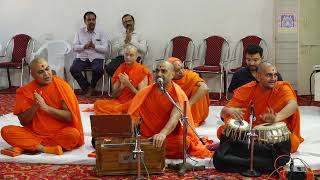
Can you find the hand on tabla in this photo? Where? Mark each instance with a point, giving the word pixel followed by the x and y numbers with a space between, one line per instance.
pixel 269 116
pixel 237 113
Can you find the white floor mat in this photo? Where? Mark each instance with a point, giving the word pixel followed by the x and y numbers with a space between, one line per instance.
pixel 308 151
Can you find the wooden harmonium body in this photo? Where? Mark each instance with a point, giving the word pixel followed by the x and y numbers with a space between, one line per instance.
pixel 111 126
pixel 114 156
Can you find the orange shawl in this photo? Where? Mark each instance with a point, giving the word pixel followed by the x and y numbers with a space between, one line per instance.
pixel 189 84
pixel 53 94
pixel 151 124
pixel 276 99
pixel 120 105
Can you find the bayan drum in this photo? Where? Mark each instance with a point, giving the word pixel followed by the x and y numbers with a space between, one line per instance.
pixel 236 129
pixel 271 133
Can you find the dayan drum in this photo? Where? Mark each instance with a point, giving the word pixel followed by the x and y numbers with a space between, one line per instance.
pixel 236 129
pixel 271 133
pixel 114 156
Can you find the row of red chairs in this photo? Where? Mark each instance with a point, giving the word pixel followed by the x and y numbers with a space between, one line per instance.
pixel 213 55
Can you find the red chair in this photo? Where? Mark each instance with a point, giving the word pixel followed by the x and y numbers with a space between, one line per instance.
pixel 181 47
pixel 239 57
pixel 22 46
pixel 212 54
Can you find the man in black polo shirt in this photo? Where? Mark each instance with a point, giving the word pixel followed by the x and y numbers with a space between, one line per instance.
pixel 254 56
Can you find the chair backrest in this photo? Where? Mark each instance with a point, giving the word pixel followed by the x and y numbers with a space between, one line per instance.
pixel 21 43
pixel 56 51
pixel 181 47
pixel 216 50
pixel 242 45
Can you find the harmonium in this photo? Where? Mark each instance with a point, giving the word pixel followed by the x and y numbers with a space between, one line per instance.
pixel 115 143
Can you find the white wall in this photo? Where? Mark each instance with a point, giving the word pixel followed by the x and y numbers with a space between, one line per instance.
pixel 158 21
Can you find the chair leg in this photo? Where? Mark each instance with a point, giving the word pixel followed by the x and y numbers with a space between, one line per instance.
pixel 220 90
pixel 21 76
pixel 102 89
pixel 221 85
pixel 65 74
pixel 227 88
pixel 8 76
pixel 110 86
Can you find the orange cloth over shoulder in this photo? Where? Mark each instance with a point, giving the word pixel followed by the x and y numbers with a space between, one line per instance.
pixel 275 99
pixel 155 109
pixel 136 72
pixel 189 84
pixel 46 129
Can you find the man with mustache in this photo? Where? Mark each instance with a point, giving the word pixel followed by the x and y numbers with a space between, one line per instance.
pixel 49 113
pixel 129 36
pixel 91 46
pixel 254 56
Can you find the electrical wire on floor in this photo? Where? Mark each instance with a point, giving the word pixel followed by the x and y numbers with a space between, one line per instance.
pixel 276 169
pixel 145 167
pixel 291 165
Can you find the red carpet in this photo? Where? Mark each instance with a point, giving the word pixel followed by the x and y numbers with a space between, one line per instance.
pixel 38 171
pixel 44 171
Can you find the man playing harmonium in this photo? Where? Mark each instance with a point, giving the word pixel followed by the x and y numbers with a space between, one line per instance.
pixel 160 119
pixel 277 122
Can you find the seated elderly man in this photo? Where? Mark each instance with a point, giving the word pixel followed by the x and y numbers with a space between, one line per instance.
pixel 274 105
pixel 49 113
pixel 160 118
pixel 195 88
pixel 127 81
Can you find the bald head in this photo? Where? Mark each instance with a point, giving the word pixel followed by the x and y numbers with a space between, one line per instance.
pixel 41 71
pixel 178 67
pixel 263 66
pixel 36 62
pixel 130 54
pixel 166 64
pixel 267 75
pixel 131 47
pixel 165 70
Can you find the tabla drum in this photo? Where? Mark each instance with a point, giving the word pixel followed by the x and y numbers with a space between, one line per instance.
pixel 271 133
pixel 236 129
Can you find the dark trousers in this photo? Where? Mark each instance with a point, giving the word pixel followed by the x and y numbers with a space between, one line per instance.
pixel 97 71
pixel 115 63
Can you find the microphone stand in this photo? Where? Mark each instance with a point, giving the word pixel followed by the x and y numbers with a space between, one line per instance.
pixel 183 167
pixel 137 152
pixel 252 136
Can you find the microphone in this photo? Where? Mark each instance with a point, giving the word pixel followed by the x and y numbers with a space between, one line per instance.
pixel 160 84
pixel 252 116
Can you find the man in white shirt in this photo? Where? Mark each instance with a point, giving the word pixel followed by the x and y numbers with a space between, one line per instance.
pixel 129 36
pixel 91 46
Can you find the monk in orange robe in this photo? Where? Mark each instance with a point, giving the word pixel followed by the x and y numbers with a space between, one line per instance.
pixel 273 101
pixel 195 88
pixel 129 78
pixel 49 113
pixel 160 119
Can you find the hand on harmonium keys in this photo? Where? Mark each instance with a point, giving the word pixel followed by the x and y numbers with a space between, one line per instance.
pixel 158 140
pixel 270 116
